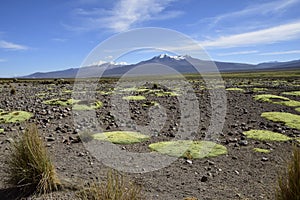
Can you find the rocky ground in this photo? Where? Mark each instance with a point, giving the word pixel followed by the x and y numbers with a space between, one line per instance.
pixel 240 174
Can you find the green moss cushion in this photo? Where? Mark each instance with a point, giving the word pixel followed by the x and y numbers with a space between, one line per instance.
pixel 121 137
pixel 14 116
pixel 189 149
pixel 265 135
pixel 289 119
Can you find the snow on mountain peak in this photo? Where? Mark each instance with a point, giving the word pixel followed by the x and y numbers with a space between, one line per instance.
pixel 180 57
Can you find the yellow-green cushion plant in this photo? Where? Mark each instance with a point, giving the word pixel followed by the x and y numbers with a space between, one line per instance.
pixel 14 116
pixel 162 93
pixel 259 89
pixel 289 119
pixel 235 89
pixel 61 102
pixel 189 149
pixel 265 135
pixel 134 98
pixel 260 150
pixel 277 100
pixel 121 137
pixel 294 93
pixel 84 105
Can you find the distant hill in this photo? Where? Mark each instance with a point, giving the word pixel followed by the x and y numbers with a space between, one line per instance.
pixel 181 64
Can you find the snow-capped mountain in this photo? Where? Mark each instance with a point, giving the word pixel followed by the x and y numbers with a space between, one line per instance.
pixel 183 64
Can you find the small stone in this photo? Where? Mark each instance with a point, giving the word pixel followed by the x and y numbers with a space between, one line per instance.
pixel 211 163
pixel 204 179
pixel 236 145
pixel 50 139
pixel 80 154
pixel 232 140
pixel 234 125
pixel 264 159
pixel 234 158
pixel 189 161
pixel 243 143
pixel 237 172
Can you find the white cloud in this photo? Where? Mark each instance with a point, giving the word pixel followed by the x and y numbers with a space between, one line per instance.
pixel 59 39
pixel 237 53
pixel 129 12
pixel 101 62
pixel 275 34
pixel 11 46
pixel 124 15
pixel 273 7
pixel 3 60
pixel 281 52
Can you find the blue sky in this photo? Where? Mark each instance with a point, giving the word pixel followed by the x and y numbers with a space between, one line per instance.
pixel 40 35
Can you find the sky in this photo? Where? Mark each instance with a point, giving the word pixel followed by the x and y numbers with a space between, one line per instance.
pixel 49 35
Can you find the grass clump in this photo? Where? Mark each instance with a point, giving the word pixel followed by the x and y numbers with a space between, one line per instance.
pixel 260 150
pixel 259 89
pixel 41 94
pixel 235 89
pixel 29 165
pixel 87 105
pixel 121 137
pixel 289 179
pixel 162 93
pixel 294 93
pixel 134 98
pixel 189 149
pixel 14 116
pixel 288 119
pixel 1 130
pixel 61 102
pixel 115 188
pixel 106 92
pixel 269 98
pixel 290 103
pixel 265 135
pixel 277 100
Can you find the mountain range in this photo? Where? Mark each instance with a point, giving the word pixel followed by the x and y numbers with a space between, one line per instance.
pixel 163 64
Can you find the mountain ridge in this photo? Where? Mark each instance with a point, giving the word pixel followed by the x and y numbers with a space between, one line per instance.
pixel 181 64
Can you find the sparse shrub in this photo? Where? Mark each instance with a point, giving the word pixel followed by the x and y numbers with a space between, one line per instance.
pixel 29 165
pixel 115 188
pixel 13 90
pixel 289 180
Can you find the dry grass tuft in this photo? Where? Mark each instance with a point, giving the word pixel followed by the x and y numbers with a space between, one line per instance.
pixel 115 188
pixel 289 180
pixel 30 166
